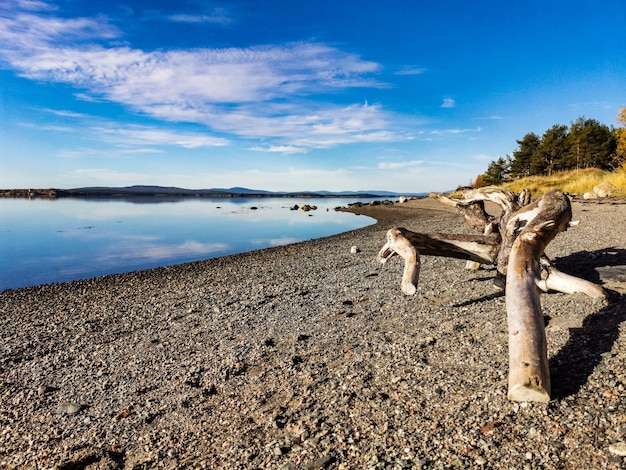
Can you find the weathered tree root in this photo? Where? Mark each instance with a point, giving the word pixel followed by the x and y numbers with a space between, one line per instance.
pixel 515 241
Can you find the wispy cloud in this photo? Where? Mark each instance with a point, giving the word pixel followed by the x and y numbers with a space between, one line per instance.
pixel 257 91
pixel 448 103
pixel 454 131
pixel 411 71
pixel 35 5
pixel 86 152
pixel 143 135
pixel 65 113
pixel 217 16
pixel 286 149
pixel 26 33
pixel 48 127
pixel 399 165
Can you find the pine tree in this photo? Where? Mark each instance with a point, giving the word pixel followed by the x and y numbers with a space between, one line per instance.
pixel 551 151
pixel 495 173
pixel 619 158
pixel 521 160
pixel 591 145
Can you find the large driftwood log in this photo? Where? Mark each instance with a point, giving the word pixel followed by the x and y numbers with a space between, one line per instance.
pixel 515 242
pixel 529 372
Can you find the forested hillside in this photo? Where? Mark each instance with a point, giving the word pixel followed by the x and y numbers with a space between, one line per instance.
pixel 585 143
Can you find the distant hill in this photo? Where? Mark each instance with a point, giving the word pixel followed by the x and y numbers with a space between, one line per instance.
pixel 174 192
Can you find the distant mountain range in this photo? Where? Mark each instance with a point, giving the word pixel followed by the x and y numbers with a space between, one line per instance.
pixel 161 191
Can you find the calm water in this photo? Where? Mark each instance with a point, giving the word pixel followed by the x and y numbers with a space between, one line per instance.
pixel 67 239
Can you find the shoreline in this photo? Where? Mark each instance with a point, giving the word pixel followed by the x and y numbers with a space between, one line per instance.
pixel 309 356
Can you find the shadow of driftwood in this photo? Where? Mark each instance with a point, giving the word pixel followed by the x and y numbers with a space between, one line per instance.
pixel 576 361
pixel 484 298
pixel 586 264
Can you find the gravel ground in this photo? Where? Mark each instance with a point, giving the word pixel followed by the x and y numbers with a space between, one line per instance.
pixel 309 356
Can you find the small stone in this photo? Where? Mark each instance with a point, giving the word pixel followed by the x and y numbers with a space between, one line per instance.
pixel 125 413
pixel 66 408
pixel 354 249
pixel 322 462
pixel 480 461
pixel 618 449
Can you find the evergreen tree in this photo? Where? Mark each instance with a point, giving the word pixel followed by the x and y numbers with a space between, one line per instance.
pixel 520 163
pixel 587 143
pixel 619 157
pixel 551 152
pixel 591 145
pixel 495 173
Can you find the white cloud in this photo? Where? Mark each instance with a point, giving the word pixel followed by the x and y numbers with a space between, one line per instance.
pixel 36 47
pixel 143 135
pixel 35 5
pixel 448 103
pixel 85 152
pixel 26 37
pixel 217 16
pixel 66 113
pixel 286 149
pixel 316 126
pixel 48 127
pixel 411 71
pixel 399 165
pixel 454 131
pixel 258 91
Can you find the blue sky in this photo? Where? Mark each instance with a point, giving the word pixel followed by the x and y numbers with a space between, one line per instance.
pixel 405 96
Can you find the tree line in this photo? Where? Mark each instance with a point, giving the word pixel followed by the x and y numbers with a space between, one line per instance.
pixel 586 143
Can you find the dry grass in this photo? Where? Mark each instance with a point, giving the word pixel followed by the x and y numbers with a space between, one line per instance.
pixel 572 182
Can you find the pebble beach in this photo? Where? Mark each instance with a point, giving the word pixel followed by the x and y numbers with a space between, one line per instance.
pixel 309 356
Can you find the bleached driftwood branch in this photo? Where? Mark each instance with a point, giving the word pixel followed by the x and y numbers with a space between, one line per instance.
pixel 409 245
pixel 529 372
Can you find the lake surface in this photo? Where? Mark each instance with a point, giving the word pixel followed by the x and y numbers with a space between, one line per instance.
pixel 45 241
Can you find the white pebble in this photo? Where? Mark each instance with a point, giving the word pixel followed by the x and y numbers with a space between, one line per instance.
pixel 618 448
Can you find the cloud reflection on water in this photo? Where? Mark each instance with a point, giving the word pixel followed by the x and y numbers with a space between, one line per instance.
pixel 68 239
pixel 158 252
